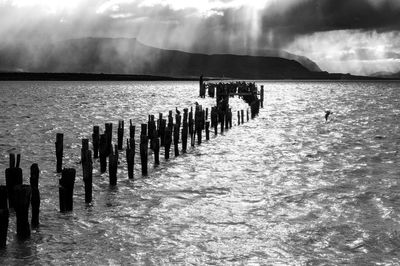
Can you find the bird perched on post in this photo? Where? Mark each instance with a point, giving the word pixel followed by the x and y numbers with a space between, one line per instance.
pixel 327 113
pixel 177 111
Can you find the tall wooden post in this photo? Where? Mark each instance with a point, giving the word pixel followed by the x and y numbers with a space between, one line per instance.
pixel 59 151
pixel 35 202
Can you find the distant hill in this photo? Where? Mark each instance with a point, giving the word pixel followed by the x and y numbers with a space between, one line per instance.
pixel 386 75
pixel 129 56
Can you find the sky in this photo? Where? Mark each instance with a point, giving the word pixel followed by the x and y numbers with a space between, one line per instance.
pixel 347 36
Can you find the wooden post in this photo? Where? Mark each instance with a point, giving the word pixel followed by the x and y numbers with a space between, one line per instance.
pixel 121 126
pixel 238 114
pixel 88 176
pixel 35 202
pixel 242 114
pixel 247 114
pixel 95 141
pixel 108 133
pixel 113 166
pixel 156 146
pixel 144 145
pixel 143 129
pixel 214 119
pixel 262 96
pixel 66 189
pixel 59 151
pixel 184 130
pixel 222 120
pixel 160 117
pixel 22 202
pixel 163 125
pixel 4 216
pixel 176 139
pixel 13 178
pixel 170 120
pixel 103 153
pixel 226 115
pixel 168 141
pixel 206 118
pixel 130 157
pixel 208 130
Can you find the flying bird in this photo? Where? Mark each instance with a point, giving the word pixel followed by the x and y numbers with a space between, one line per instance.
pixel 327 113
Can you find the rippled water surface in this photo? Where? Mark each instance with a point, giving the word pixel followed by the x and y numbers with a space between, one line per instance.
pixel 286 188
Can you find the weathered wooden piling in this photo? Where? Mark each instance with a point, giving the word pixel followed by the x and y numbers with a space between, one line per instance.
pixel 160 117
pixel 4 216
pixel 88 175
pixel 247 114
pixel 121 126
pixel 108 133
pixel 130 156
pixel 66 189
pixel 113 166
pixel 242 115
pixel 230 117
pixel 84 149
pixel 22 202
pixel 185 130
pixel 168 141
pixel 208 130
pixel 170 120
pixel 144 145
pixel 214 119
pixel 35 201
pixel 156 146
pixel 152 129
pixel 13 178
pixel 103 153
pixel 238 117
pixel 59 151
pixel 176 139
pixel 206 118
pixel 262 96
pixel 96 141
pixel 163 125
pixel 222 121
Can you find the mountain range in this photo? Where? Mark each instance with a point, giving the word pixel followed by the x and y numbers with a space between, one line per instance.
pixel 129 56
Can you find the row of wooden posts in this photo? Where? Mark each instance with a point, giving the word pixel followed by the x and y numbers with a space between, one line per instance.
pixel 154 135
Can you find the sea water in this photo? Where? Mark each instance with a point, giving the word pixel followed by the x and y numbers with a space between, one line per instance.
pixel 287 188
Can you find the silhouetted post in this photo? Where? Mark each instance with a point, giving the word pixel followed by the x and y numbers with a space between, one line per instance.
pixel 130 156
pixel 66 189
pixel 170 120
pixel 206 118
pixel 208 130
pixel 13 178
pixel 121 125
pixel 96 141
pixel 152 128
pixel 226 115
pixel 222 120
pixel 103 153
pixel 238 114
pixel 144 145
pixel 131 130
pixel 247 114
pixel 201 87
pixel 156 146
pixel 214 119
pixel 168 141
pixel 88 176
pixel 113 166
pixel 242 115
pixel 163 125
pixel 4 216
pixel 59 150
pixel 35 202
pixel 262 96
pixel 108 133
pixel 184 130
pixel 160 117
pixel 22 202
pixel 84 149
pixel 176 139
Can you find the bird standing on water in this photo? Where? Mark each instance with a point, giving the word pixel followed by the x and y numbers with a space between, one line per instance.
pixel 327 113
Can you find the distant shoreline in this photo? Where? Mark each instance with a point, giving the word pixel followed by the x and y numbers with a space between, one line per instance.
pixel 36 76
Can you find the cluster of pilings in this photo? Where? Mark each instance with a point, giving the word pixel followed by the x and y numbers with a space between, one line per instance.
pixel 19 197
pixel 172 134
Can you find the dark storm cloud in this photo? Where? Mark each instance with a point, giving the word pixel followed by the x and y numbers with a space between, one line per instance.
pixel 310 16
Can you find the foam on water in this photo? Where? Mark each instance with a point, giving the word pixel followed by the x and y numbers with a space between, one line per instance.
pixel 286 188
